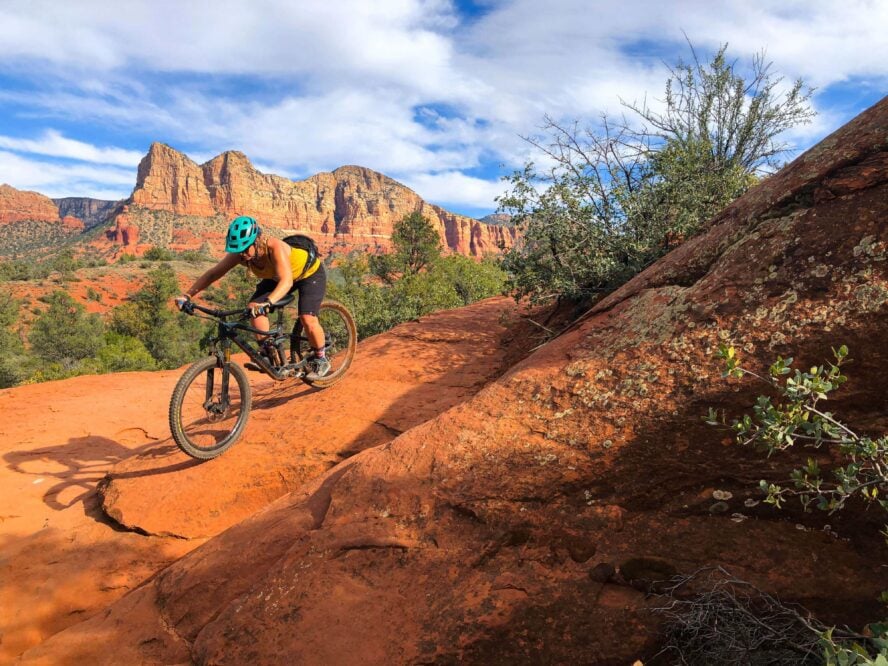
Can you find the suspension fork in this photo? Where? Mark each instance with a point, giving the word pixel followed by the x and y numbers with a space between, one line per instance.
pixel 223 358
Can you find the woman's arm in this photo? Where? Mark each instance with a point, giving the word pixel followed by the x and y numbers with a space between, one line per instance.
pixel 229 261
pixel 280 255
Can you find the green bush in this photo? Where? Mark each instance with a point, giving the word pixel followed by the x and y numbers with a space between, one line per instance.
pixel 450 282
pixel 122 353
pixel 159 254
pixel 65 333
pixel 615 198
pixel 13 357
pixel 150 317
pixel 794 417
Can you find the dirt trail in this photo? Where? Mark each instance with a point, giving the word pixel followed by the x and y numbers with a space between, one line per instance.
pixel 62 559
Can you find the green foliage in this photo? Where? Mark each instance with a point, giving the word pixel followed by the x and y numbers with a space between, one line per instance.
pixel 196 256
pixel 416 247
pixel 64 262
pixel 449 282
pixel 122 353
pixel 65 333
pixel 30 238
pixel 793 417
pixel 738 119
pixel 150 317
pixel 234 290
pixel 159 254
pixel 471 280
pixel 853 653
pixel 616 198
pixel 13 356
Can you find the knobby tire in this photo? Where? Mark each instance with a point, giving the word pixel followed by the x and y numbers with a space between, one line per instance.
pixel 345 341
pixel 211 434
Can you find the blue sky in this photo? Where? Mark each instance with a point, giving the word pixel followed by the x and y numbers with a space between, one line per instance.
pixel 434 93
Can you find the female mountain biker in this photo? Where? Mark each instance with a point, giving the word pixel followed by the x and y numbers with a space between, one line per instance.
pixel 282 269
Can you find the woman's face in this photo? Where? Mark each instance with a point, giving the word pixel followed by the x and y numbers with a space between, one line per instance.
pixel 250 253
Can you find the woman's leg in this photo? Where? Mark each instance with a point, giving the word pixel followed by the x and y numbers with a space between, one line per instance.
pixel 263 289
pixel 311 295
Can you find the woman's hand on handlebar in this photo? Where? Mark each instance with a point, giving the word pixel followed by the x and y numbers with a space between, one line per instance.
pixel 259 309
pixel 184 303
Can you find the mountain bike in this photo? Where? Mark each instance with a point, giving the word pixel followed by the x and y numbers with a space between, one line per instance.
pixel 209 411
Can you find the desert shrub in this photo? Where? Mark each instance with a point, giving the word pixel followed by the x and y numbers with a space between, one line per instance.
pixel 155 253
pixel 416 246
pixel 412 281
pixel 150 317
pixel 794 416
pixel 195 256
pixel 65 333
pixel 13 356
pixel 122 353
pixel 616 196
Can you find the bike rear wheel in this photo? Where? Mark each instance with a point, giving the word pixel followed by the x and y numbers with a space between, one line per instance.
pixel 341 339
pixel 209 411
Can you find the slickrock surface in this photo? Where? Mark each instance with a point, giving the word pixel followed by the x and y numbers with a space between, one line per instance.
pixel 518 526
pixel 400 379
pixel 62 560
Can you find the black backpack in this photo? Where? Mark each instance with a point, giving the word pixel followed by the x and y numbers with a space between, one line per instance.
pixel 303 242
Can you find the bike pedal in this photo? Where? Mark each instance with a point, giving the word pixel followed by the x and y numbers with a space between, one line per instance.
pixel 252 366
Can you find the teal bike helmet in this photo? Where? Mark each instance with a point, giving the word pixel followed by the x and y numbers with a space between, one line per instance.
pixel 242 233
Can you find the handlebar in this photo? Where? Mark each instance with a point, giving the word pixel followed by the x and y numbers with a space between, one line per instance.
pixel 188 307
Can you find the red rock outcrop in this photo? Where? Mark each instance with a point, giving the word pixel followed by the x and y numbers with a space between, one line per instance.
pixel 519 526
pixel 352 205
pixel 168 180
pixel 18 205
pixel 124 232
pixel 72 223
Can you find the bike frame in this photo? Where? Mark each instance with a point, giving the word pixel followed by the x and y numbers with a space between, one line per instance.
pixel 228 333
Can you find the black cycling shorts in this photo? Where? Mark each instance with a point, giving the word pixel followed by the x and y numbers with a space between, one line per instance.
pixel 311 291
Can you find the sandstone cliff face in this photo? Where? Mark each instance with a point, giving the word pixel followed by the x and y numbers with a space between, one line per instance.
pixel 351 206
pixel 18 205
pixel 91 212
pixel 123 232
pixel 522 525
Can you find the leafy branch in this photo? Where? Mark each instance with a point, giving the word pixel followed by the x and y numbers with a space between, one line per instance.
pixel 796 417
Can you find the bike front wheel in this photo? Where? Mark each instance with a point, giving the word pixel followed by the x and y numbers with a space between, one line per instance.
pixel 209 411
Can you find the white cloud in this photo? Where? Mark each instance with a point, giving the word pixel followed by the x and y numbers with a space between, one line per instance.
pixel 401 86
pixel 65 180
pixel 453 188
pixel 53 144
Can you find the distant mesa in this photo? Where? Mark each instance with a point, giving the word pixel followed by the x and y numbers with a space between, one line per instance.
pixel 350 207
pixel 180 204
pixel 498 219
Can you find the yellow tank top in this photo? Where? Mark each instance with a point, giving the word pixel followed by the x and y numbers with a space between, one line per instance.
pixel 263 267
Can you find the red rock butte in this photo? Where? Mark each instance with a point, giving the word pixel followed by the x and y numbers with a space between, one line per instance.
pixel 351 206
